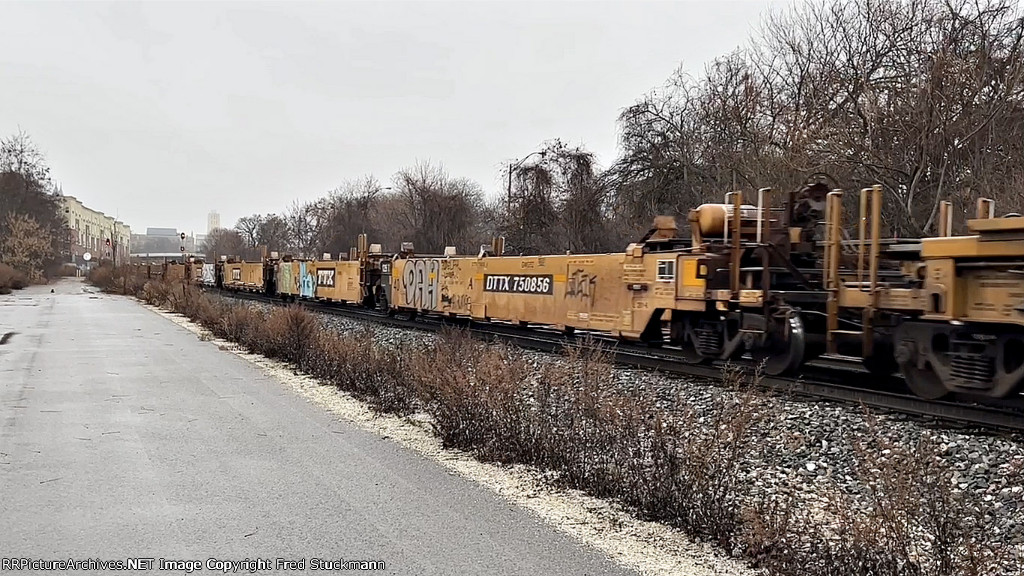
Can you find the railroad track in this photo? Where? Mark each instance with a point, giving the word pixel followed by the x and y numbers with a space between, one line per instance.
pixel 827 383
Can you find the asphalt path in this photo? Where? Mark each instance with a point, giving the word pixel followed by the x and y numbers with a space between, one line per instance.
pixel 122 435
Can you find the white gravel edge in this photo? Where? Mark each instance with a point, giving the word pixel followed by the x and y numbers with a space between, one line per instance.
pixel 647 547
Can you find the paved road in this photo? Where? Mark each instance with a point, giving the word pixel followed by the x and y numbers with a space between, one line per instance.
pixel 123 435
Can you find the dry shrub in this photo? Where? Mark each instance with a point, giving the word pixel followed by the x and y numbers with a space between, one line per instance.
pixel 11 279
pixel 696 458
pixel 356 364
pixel 156 293
pixel 102 277
pixel 116 280
pixel 205 311
pixel 289 331
pixel 570 417
pixel 241 324
pixel 350 361
pixel 65 269
pixel 476 393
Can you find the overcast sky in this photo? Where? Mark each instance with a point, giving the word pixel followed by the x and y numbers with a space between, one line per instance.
pixel 161 112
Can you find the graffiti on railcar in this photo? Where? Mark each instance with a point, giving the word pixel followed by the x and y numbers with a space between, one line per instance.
pixel 420 280
pixel 307 284
pixel 286 278
pixel 451 272
pixel 581 285
pixel 456 302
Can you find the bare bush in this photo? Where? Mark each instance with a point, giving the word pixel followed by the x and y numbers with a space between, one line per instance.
pixel 290 331
pixel 353 362
pixel 11 279
pixel 474 393
pixel 117 280
pixel 156 293
pixel 569 417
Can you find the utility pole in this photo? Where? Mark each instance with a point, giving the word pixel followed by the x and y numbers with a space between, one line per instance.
pixel 112 244
pixel 508 200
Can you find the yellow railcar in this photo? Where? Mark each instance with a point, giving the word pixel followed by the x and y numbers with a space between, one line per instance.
pixel 195 272
pixel 175 272
pixel 627 295
pixel 244 276
pixel 337 281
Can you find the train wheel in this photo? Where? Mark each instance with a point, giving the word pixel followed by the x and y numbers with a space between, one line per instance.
pixel 923 382
pixel 919 346
pixel 785 350
pixel 690 353
pixel 882 361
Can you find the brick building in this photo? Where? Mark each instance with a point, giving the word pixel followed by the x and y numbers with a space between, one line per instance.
pixel 90 230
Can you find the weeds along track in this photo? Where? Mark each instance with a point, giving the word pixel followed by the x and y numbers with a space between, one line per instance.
pixel 830 380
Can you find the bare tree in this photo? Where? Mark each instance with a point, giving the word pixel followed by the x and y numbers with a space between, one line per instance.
pixel 923 96
pixel 272 232
pixel 27 196
pixel 557 202
pixel 302 229
pixel 248 227
pixel 223 242
pixel 352 206
pixel 20 155
pixel 438 210
pixel 28 245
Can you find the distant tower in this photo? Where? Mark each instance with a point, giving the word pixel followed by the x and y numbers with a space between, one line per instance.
pixel 212 221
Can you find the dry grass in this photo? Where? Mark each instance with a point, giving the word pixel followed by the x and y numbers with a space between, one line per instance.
pixel 119 280
pixel 11 279
pixel 680 467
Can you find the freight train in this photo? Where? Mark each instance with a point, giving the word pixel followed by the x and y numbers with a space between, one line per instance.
pixel 783 284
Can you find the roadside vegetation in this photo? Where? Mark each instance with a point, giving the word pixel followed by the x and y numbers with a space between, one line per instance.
pixel 33 232
pixel 688 467
pixel 11 279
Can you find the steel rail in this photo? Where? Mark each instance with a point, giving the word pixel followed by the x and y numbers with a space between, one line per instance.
pixel 1006 415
